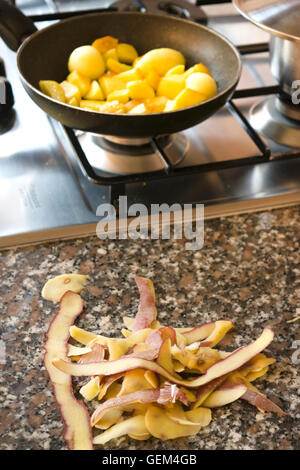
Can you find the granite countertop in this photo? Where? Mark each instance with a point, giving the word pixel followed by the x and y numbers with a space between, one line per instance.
pixel 247 271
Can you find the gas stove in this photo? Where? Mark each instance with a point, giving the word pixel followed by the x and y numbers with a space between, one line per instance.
pixel 53 178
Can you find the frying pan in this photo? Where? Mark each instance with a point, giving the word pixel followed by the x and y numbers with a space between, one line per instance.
pixel 43 55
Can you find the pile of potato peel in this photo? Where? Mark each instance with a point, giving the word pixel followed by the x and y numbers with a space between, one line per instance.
pixel 155 380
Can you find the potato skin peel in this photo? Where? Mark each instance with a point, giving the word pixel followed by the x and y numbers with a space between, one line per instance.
pixel 73 411
pixel 119 365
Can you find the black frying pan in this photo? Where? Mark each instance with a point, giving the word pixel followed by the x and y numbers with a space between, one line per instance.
pixel 44 56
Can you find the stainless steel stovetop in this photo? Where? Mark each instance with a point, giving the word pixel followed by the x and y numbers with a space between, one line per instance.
pixel 46 194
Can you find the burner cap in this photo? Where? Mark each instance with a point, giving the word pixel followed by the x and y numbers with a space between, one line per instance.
pixel 265 117
pixel 126 157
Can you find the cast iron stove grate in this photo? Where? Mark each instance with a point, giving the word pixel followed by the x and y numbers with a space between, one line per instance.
pixel 117 184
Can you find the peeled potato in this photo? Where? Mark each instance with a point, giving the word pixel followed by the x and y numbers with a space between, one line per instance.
pixel 202 83
pixel 95 92
pixel 110 54
pixel 83 83
pixel 140 90
pixel 111 77
pixel 88 61
pixel 111 83
pixel 120 95
pixel 160 60
pixel 126 53
pixel 153 79
pixel 71 91
pixel 171 85
pixel 93 105
pixel 53 89
pixel 105 43
pixel 178 69
pixel 187 98
pixel 115 66
pixel 130 75
pixel 197 68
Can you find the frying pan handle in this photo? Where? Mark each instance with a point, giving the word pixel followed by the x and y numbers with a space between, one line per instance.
pixel 14 25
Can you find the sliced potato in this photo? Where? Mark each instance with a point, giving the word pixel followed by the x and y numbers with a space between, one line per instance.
pixel 111 83
pixel 197 68
pixel 202 83
pixel 95 92
pixel 160 60
pixel 83 83
pixel 53 89
pixel 171 85
pixel 71 91
pixel 105 43
pixel 140 90
pixel 120 95
pixel 115 66
pixel 126 53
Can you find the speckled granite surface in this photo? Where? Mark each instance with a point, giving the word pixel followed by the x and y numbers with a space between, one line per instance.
pixel 247 271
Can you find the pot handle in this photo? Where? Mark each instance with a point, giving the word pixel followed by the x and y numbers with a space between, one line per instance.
pixel 14 25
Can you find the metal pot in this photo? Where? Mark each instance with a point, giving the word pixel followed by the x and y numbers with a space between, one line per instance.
pixel 282 20
pixel 285 63
pixel 278 117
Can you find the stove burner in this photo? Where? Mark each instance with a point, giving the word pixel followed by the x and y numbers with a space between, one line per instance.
pixel 278 120
pixel 113 155
pixel 178 8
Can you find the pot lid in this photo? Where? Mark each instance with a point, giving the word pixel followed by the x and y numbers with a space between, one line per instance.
pixel 278 17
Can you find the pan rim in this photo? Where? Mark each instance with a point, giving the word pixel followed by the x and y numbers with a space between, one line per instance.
pixel 130 13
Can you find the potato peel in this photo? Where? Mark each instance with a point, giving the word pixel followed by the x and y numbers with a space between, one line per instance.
pixel 74 413
pixel 167 378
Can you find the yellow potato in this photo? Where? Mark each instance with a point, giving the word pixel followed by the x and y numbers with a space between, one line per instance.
pixel 94 105
pixel 83 83
pixel 127 53
pixel 171 85
pixel 111 83
pixel 140 90
pixel 105 43
pixel 113 107
pixel 156 104
pixel 74 101
pixel 153 79
pixel 120 95
pixel 95 92
pixel 202 83
pixel 102 106
pixel 53 89
pixel 138 109
pixel 128 107
pixel 115 66
pixel 178 69
pixel 110 54
pixel 130 75
pixel 72 92
pixel 187 98
pixel 197 68
pixel 160 60
pixel 88 61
